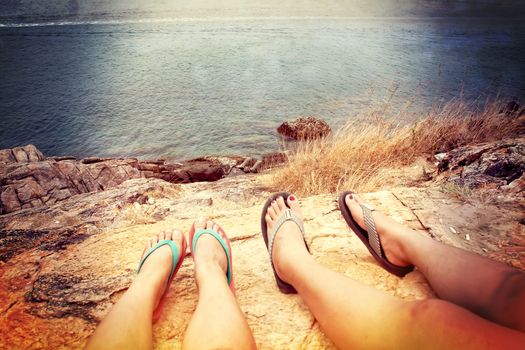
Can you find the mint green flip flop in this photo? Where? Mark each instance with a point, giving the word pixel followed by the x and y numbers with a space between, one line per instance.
pixel 178 258
pixel 223 240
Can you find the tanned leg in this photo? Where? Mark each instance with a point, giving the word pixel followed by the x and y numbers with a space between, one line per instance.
pixel 357 316
pixel 218 322
pixel 129 323
pixel 491 289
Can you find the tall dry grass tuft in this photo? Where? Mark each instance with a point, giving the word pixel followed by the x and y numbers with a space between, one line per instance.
pixel 359 155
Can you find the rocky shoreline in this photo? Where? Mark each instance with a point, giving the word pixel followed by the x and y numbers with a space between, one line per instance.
pixel 28 179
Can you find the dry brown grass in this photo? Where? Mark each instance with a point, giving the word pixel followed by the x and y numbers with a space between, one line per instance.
pixel 357 156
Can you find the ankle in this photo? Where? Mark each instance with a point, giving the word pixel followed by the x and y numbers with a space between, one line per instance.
pixel 411 245
pixel 394 239
pixel 405 246
pixel 147 287
pixel 206 269
pixel 151 279
pixel 288 267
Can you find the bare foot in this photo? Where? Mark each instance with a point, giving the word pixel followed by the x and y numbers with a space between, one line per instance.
pixel 209 255
pixel 390 241
pixel 155 271
pixel 288 245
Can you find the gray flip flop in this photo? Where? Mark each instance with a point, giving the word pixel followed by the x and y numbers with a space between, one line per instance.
pixel 287 215
pixel 369 237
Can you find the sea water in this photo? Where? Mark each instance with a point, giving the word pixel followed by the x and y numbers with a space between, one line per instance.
pixel 185 88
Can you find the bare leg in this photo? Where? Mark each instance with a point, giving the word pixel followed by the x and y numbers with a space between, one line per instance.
pixel 491 289
pixel 129 323
pixel 218 322
pixel 357 316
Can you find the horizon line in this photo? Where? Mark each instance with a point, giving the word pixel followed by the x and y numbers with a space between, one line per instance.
pixel 236 18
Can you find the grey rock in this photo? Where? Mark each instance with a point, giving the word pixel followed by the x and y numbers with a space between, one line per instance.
pixel 30 180
pixel 491 165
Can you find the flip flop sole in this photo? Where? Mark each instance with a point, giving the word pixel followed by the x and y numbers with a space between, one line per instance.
pixel 284 287
pixel 363 236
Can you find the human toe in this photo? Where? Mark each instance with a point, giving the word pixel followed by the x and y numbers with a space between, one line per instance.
pixel 293 203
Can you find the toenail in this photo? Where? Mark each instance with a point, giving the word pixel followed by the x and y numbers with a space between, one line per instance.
pixel 292 197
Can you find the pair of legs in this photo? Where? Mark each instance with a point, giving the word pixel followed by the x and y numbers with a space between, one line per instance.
pixel 482 305
pixel 482 302
pixel 217 322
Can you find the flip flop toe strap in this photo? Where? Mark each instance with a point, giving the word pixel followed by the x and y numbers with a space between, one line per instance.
pixel 373 237
pixel 223 243
pixel 287 215
pixel 174 250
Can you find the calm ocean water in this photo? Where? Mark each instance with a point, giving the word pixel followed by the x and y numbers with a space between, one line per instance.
pixel 186 88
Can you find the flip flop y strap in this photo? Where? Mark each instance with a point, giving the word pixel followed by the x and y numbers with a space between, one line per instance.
pixel 287 215
pixel 224 245
pixel 174 251
pixel 373 237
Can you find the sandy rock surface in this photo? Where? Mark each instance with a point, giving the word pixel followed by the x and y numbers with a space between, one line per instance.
pixel 62 267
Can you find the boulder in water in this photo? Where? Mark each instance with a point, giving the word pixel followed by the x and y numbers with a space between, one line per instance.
pixel 305 128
